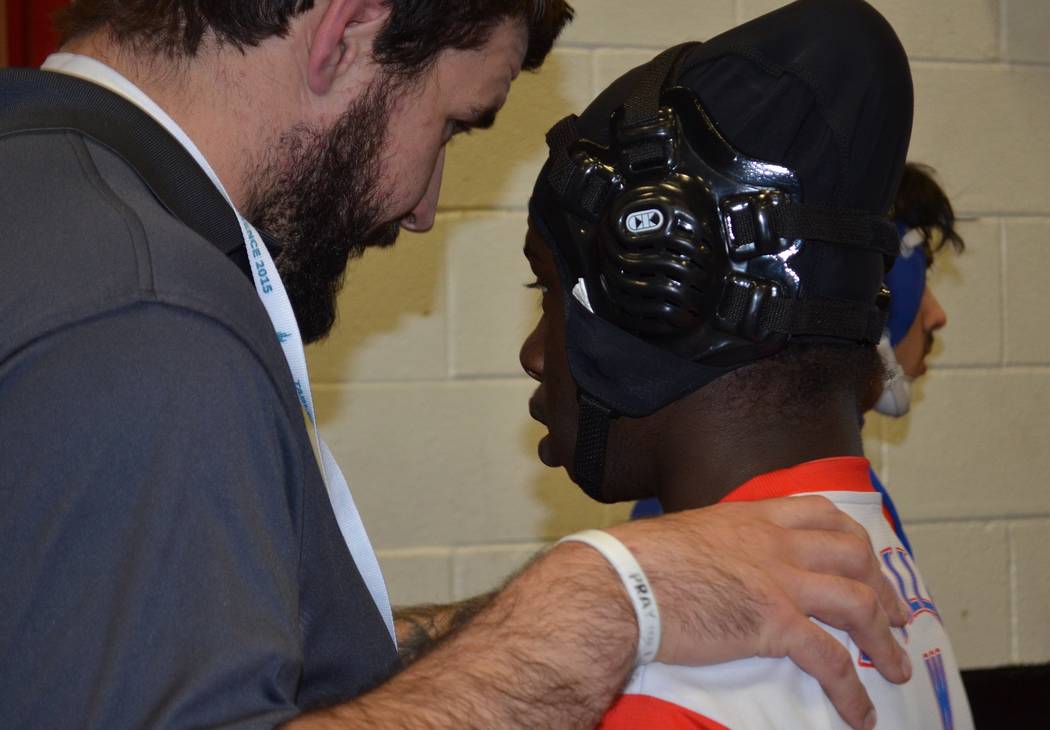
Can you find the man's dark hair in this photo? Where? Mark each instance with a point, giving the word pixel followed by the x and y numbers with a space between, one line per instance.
pixel 921 203
pixel 418 30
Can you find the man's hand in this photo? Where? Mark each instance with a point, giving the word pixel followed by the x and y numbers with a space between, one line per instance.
pixel 556 646
pixel 740 580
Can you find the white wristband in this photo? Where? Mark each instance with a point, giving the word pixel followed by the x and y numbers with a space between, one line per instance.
pixel 637 585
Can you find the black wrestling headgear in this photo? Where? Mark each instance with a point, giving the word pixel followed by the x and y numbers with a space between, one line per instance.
pixel 722 200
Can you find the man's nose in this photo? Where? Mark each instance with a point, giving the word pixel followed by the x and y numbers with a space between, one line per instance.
pixel 421 219
pixel 935 316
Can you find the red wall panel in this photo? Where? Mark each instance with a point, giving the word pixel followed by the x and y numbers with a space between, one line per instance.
pixel 30 30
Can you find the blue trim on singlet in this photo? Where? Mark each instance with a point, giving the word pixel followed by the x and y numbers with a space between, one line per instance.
pixel 891 508
pixel 650 507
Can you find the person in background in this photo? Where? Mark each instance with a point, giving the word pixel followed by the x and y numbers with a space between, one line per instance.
pixel 926 223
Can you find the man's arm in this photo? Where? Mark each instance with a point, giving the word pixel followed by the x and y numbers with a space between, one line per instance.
pixel 555 647
pixel 419 628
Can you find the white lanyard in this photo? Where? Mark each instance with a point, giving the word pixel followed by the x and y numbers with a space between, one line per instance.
pixel 275 299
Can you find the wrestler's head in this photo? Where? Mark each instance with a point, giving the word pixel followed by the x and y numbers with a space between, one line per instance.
pixel 711 235
pixel 926 222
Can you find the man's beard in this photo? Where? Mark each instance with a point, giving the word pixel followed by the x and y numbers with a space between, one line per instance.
pixel 318 194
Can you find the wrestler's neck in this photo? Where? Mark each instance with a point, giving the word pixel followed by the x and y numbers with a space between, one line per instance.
pixel 210 98
pixel 723 456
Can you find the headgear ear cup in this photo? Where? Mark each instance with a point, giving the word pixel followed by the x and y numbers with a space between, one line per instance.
pixel 655 263
pixel 906 281
pixel 895 400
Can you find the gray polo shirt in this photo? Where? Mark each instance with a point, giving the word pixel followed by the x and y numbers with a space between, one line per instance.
pixel 170 555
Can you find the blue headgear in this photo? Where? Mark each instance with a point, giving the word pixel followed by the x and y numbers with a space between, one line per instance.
pixel 906 282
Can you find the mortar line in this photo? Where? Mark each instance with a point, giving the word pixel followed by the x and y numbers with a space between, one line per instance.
pixel 1004 263
pixel 1011 557
pixel 1003 35
pixel 450 316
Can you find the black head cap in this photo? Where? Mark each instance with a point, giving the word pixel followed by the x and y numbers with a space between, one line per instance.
pixel 821 87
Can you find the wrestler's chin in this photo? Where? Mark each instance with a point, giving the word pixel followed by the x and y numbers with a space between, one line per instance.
pixel 545 452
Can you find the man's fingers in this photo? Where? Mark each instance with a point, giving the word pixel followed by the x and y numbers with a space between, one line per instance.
pixel 810 513
pixel 844 549
pixel 847 556
pixel 854 608
pixel 819 655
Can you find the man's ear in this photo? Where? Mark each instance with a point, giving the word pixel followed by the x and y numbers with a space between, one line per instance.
pixel 346 32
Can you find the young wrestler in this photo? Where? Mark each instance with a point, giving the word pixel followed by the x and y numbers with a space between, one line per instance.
pixel 710 237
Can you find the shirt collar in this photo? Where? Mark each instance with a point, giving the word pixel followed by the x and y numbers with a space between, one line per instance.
pixel 836 474
pixel 96 72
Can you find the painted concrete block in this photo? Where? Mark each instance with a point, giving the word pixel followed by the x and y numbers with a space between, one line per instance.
pixel 973 446
pixel 417 576
pixel 1030 549
pixel 969 288
pixel 1028 30
pixel 497 168
pixel 966 569
pixel 962 29
pixel 450 464
pixel 657 23
pixel 983 128
pixel 481 569
pixel 1027 333
pixel 392 320
pixel 491 312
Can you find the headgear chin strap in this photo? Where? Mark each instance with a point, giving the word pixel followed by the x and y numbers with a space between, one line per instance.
pixel 667 235
pixel 592 439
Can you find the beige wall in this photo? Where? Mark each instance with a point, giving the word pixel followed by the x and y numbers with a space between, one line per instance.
pixel 423 400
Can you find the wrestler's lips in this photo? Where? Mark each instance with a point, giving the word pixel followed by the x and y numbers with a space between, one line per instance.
pixel 543 448
pixel 534 409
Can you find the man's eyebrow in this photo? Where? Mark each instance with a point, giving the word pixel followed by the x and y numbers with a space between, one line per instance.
pixel 483 117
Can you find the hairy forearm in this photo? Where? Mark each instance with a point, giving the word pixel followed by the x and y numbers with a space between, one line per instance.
pixel 419 628
pixel 551 651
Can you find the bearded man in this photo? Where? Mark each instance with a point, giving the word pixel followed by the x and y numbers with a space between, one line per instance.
pixel 177 554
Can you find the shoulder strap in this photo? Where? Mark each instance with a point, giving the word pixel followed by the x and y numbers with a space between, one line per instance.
pixel 43 101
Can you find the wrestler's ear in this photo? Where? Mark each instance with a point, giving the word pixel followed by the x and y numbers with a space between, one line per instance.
pixel 342 39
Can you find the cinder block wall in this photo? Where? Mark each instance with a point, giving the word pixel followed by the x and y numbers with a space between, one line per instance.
pixel 423 400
